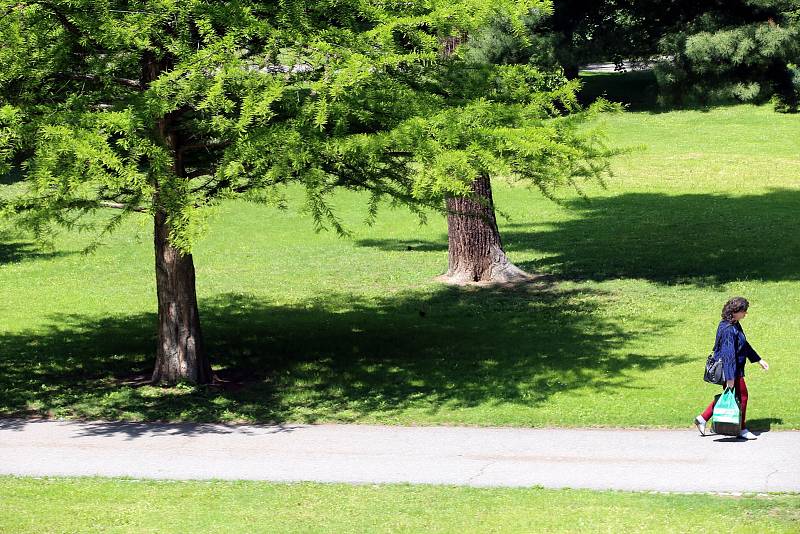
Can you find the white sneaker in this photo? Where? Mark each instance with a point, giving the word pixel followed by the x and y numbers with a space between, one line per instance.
pixel 700 423
pixel 746 434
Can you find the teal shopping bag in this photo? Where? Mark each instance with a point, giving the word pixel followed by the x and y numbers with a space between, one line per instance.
pixel 726 415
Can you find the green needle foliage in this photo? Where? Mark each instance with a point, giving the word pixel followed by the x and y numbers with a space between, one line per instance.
pixel 171 106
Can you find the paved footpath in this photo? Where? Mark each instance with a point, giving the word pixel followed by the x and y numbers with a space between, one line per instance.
pixel 660 460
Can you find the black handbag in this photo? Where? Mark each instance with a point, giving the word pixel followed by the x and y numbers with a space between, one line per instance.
pixel 714 371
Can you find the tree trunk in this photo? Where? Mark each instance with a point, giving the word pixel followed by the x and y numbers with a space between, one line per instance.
pixel 787 96
pixel 571 71
pixel 181 354
pixel 475 253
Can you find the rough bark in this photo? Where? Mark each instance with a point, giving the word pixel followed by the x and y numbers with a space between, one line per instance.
pixel 475 252
pixel 181 355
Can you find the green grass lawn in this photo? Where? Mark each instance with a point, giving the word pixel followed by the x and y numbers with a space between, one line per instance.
pixel 103 505
pixel 312 327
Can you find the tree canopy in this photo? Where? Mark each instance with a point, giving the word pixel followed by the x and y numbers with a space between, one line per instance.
pixel 158 105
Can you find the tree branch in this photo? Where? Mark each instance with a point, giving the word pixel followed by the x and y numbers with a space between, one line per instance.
pixel 119 206
pixel 69 25
pixel 207 146
pixel 11 10
pixel 127 82
pixel 62 18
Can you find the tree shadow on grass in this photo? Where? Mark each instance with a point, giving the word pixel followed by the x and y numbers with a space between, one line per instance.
pixel 342 358
pixel 699 239
pixel 15 248
pixel 22 251
pixel 12 176
pixel 406 245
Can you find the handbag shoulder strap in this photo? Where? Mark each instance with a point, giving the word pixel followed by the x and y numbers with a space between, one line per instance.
pixel 716 340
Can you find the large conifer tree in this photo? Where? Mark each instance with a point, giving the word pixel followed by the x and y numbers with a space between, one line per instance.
pixel 165 107
pixel 524 125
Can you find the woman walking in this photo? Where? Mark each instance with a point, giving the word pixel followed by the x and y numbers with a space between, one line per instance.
pixel 734 349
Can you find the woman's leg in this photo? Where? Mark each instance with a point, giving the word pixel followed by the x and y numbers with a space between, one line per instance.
pixel 708 411
pixel 741 393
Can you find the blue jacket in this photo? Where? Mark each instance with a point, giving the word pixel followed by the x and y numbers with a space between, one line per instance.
pixel 733 348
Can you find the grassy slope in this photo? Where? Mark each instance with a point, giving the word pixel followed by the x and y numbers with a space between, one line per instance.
pixel 96 505
pixel 311 327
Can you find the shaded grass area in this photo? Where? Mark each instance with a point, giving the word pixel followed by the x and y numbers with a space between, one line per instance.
pixel 24 250
pixel 637 90
pixel 349 359
pixel 97 505
pixel 687 239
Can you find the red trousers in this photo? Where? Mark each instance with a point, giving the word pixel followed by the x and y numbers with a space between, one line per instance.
pixel 740 388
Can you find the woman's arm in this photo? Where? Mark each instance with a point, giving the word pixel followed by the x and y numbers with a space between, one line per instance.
pixel 751 353
pixel 753 356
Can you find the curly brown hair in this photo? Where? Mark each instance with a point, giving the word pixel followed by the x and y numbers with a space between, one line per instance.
pixel 734 305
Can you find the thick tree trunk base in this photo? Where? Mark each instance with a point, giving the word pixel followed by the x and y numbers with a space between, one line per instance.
pixel 475 252
pixel 499 271
pixel 501 274
pixel 181 355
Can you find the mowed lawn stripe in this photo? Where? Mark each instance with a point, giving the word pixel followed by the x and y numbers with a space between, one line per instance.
pixel 97 505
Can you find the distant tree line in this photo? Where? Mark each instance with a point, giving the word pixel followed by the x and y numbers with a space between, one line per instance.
pixel 707 51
